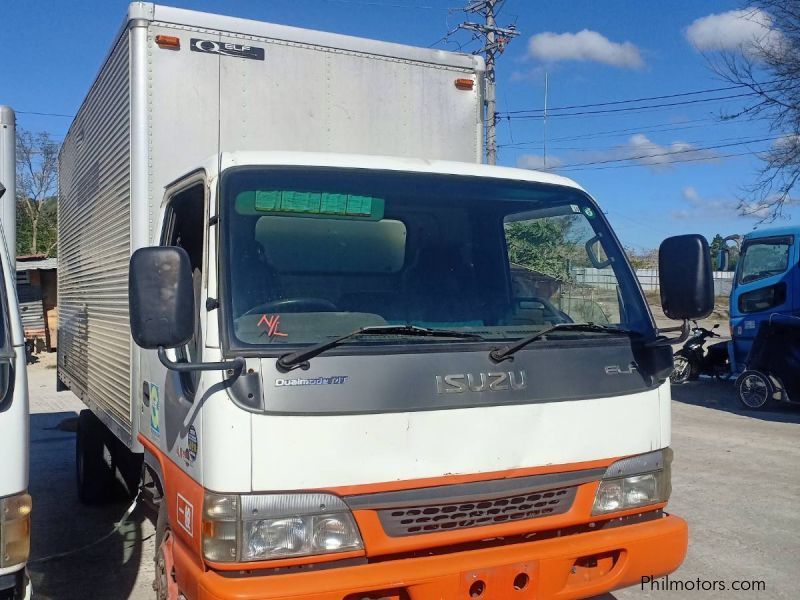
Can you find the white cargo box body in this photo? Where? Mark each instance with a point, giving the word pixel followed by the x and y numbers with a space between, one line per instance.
pixel 154 114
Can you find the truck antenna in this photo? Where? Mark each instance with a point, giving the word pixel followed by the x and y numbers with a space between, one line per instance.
pixel 495 41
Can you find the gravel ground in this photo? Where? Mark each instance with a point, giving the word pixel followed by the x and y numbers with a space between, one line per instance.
pixel 736 481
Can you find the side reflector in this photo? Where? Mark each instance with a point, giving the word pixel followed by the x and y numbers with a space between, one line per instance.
pixel 168 41
pixel 465 84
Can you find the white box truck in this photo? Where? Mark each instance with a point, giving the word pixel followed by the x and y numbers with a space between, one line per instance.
pixel 342 357
pixel 15 502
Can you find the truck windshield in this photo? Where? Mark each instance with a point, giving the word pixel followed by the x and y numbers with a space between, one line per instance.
pixel 314 254
pixel 764 258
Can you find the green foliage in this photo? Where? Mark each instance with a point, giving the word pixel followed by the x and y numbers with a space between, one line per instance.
pixel 642 259
pixel 717 244
pixel 542 245
pixel 47 229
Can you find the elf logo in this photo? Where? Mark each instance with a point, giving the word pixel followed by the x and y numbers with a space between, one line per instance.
pixel 617 370
pixel 459 383
pixel 226 49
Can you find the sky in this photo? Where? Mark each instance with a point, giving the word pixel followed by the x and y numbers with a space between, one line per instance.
pixel 660 171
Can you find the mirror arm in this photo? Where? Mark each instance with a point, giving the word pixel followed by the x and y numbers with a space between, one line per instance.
pixel 685 330
pixel 236 365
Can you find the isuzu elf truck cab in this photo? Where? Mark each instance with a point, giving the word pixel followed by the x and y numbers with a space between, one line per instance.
pixel 341 357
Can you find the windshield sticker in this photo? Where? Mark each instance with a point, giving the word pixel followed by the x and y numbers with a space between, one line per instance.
pixel 189 453
pixel 335 380
pixel 575 208
pixel 589 212
pixel 155 405
pixel 272 322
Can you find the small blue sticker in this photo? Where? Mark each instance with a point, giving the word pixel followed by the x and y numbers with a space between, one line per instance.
pixel 155 415
pixel 588 212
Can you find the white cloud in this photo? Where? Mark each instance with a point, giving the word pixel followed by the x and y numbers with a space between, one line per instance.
pixel 703 208
pixel 691 196
pixel 700 207
pixel 732 30
pixel 585 45
pixel 640 149
pixel 536 162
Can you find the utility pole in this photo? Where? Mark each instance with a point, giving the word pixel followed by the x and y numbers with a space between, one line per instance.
pixel 495 40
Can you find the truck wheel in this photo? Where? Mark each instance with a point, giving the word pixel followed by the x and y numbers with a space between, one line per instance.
pixel 755 389
pixel 164 583
pixel 95 477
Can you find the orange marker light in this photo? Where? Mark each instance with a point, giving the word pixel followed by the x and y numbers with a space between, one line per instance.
pixel 168 41
pixel 465 84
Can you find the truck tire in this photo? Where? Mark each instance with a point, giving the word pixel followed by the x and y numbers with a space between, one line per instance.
pixel 164 583
pixel 94 476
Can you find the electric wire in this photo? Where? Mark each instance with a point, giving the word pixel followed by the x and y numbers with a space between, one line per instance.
pixel 96 542
pixel 644 99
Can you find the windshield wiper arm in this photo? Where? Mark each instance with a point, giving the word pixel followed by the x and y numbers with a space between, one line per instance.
pixel 293 360
pixel 500 354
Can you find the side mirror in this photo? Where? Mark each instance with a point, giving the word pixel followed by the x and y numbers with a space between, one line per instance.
pixel 686 278
pixel 723 259
pixel 161 297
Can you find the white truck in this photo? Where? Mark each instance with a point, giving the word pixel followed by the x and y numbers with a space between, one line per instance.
pixel 342 357
pixel 15 503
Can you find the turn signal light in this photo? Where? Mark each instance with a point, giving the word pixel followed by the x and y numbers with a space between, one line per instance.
pixel 465 84
pixel 168 41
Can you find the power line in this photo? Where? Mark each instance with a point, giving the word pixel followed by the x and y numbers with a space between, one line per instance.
pixel 672 153
pixel 383 5
pixel 630 108
pixel 664 164
pixel 655 128
pixel 43 114
pixel 644 99
pixel 644 145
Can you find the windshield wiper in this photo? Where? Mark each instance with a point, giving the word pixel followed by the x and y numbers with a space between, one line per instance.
pixel 293 360
pixel 500 354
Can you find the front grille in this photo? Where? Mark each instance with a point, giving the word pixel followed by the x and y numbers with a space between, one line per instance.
pixel 398 522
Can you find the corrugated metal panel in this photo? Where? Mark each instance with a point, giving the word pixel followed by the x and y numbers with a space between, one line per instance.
pixel 30 308
pixel 33 265
pixel 94 352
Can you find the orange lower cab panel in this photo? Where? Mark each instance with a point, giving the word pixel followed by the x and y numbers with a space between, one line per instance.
pixel 573 566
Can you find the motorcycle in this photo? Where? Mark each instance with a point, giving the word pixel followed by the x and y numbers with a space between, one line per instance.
pixel 693 359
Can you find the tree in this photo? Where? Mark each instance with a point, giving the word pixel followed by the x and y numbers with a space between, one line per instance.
pixel 717 244
pixel 642 259
pixel 769 65
pixel 37 169
pixel 542 245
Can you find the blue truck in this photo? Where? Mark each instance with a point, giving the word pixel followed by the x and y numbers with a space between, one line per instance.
pixel 765 317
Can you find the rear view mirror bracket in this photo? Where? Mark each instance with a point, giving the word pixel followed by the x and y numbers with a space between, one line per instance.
pixel 684 328
pixel 233 368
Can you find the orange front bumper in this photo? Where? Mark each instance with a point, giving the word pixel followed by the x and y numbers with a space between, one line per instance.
pixel 573 566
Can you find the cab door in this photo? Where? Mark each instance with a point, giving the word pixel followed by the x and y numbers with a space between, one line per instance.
pixel 766 284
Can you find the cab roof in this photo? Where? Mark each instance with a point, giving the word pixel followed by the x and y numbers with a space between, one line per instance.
pixel 773 232
pixel 381 163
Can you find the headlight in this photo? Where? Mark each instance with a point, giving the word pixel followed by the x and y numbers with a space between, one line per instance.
pixel 269 526
pixel 635 481
pixel 15 529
